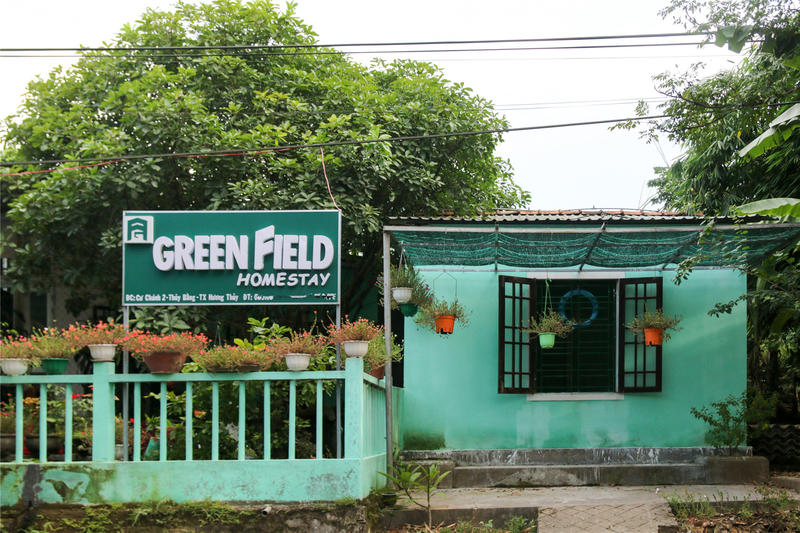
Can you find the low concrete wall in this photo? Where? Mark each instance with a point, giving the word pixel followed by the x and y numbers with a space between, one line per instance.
pixel 181 481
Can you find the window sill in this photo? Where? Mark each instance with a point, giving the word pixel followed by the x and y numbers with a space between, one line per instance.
pixel 574 396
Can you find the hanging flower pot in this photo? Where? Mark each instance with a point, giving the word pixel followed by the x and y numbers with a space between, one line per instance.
pixel 102 353
pixel 653 336
pixel 547 340
pixel 13 366
pixel 445 323
pixel 54 365
pixel 401 295
pixel 409 308
pixel 354 336
pixel 654 325
pixel 296 361
pixel 164 362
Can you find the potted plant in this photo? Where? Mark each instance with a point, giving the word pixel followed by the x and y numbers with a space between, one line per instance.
pixel 163 354
pixel 354 336
pixel 550 325
pixel 441 315
pixel 375 358
pixel 53 350
pixel 297 349
pixel 654 326
pixel 403 278
pixel 16 355
pixel 233 359
pixel 407 278
pixel 102 338
pixel 8 429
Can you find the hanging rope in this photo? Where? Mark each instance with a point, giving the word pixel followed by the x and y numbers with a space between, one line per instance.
pixel 325 173
pixel 548 304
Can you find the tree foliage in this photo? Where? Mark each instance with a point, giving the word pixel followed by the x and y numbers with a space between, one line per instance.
pixel 64 227
pixel 713 118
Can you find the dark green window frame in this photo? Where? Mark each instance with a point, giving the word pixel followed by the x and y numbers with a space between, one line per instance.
pixel 629 366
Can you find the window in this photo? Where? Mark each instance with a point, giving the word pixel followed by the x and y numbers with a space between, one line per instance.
pixel 600 355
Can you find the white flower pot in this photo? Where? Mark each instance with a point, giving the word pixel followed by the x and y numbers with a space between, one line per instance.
pixel 401 295
pixel 102 352
pixel 355 348
pixel 297 361
pixel 14 367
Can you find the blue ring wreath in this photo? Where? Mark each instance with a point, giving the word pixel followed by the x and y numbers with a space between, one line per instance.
pixel 562 305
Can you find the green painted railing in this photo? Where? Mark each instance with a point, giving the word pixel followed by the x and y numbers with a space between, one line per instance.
pixel 364 428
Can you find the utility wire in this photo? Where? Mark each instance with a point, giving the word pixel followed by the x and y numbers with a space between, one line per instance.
pixel 348 45
pixel 371 52
pixel 248 151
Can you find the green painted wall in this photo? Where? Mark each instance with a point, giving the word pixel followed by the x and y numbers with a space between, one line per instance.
pixel 296 480
pixel 451 401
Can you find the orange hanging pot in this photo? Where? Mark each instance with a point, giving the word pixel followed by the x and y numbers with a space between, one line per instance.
pixel 653 336
pixel 445 323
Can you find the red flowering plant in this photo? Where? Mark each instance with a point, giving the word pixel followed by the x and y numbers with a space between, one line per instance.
pixel 298 342
pixel 360 330
pixel 140 343
pixel 8 416
pixel 51 343
pixel 233 359
pixel 101 333
pixel 19 348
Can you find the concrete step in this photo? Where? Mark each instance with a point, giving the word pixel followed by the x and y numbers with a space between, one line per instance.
pixel 577 475
pixel 570 456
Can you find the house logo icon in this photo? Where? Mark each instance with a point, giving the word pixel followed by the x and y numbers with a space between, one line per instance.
pixel 137 229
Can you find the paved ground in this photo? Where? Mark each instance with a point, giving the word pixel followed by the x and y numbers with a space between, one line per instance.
pixel 590 509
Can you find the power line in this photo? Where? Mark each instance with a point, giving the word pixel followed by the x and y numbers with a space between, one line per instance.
pixel 370 52
pixel 348 45
pixel 256 151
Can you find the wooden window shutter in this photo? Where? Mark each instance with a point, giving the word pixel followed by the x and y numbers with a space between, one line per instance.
pixel 639 365
pixel 517 300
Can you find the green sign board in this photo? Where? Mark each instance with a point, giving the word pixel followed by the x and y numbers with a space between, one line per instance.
pixel 231 257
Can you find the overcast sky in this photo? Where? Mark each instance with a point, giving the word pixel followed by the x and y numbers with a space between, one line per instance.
pixel 576 167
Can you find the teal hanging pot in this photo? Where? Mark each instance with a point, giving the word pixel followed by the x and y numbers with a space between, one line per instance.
pixel 547 340
pixel 409 309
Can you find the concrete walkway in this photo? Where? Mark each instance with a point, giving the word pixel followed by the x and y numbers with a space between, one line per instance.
pixel 580 509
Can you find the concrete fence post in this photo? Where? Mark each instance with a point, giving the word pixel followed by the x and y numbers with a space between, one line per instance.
pixel 102 412
pixel 353 407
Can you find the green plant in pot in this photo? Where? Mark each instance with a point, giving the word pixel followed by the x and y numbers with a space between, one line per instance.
pixel 354 336
pixel 375 360
pixel 233 359
pixel 405 277
pixel 53 349
pixel 440 315
pixel 654 326
pixel 550 325
pixel 164 354
pixel 298 349
pixel 17 355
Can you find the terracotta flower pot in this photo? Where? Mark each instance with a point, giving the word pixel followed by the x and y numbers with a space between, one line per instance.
pixel 164 362
pixel 378 372
pixel 653 336
pixel 445 323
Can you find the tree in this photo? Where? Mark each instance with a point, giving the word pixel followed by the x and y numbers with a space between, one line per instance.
pixel 64 227
pixel 713 119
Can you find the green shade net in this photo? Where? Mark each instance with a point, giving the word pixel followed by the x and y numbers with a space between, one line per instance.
pixel 541 248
